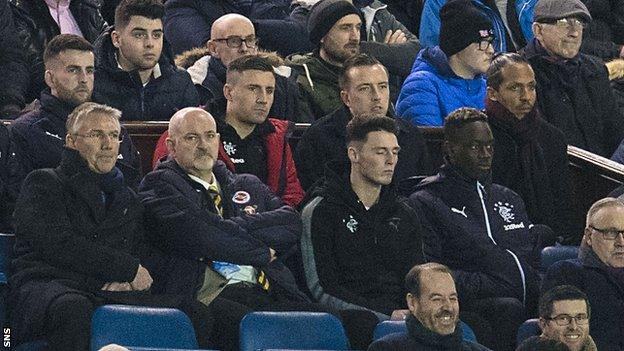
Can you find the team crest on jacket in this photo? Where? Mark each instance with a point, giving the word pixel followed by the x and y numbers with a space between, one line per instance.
pixel 241 197
pixel 351 224
pixel 505 211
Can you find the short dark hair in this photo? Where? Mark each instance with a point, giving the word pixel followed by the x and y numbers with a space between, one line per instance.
pixel 459 118
pixel 412 278
pixel 359 127
pixel 64 42
pixel 152 9
pixel 494 73
pixel 540 343
pixel 359 60
pixel 248 63
pixel 560 293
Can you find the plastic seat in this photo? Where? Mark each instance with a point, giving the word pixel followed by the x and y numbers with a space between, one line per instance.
pixel 139 326
pixel 528 329
pixel 552 254
pixel 389 327
pixel 292 330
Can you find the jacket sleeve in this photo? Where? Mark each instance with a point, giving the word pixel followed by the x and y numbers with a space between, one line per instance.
pixel 293 194
pixel 42 221
pixel 569 227
pixel 612 117
pixel 182 227
pixel 429 33
pixel 13 67
pixel 418 101
pixel 191 96
pixel 161 149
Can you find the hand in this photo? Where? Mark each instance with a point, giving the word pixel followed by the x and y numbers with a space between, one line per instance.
pixel 117 286
pixel 615 68
pixel 142 280
pixel 273 256
pixel 398 37
pixel 399 315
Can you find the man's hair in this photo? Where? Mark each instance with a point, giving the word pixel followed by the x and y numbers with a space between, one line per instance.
pixel 412 278
pixel 359 60
pixel 459 118
pixel 87 109
pixel 359 127
pixel 560 293
pixel 152 9
pixel 600 204
pixel 541 343
pixel 248 63
pixel 64 42
pixel 494 74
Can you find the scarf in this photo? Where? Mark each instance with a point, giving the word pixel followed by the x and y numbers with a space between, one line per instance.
pixel 416 330
pixel 110 183
pixel 534 181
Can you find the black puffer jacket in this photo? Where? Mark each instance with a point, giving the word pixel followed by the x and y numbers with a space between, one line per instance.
pixel 156 101
pixel 36 27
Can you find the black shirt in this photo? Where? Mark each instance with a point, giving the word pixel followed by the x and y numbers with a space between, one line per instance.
pixel 249 154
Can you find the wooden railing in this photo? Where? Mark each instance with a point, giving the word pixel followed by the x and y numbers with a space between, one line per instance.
pixel 593 177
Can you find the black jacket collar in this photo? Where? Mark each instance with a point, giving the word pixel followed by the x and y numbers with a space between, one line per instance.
pixel 58 110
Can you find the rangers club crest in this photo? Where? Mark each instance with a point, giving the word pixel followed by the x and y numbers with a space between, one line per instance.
pixel 505 211
pixel 351 224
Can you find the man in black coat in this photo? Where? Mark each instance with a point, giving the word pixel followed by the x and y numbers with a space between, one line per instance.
pixel 134 71
pixel 530 154
pixel 364 91
pixel 573 90
pixel 433 322
pixel 36 27
pixel 599 272
pixel 80 242
pixel 39 134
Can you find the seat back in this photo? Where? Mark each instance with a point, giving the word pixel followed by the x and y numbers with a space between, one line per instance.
pixel 6 253
pixel 528 329
pixel 141 326
pixel 292 330
pixel 389 327
pixel 552 254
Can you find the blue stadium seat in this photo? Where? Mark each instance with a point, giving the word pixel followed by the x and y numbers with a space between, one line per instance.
pixel 292 330
pixel 552 254
pixel 6 252
pixel 139 326
pixel 388 327
pixel 528 329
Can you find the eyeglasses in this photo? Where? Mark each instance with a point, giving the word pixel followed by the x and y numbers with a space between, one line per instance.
pixel 114 137
pixel 565 319
pixel 608 234
pixel 568 23
pixel 235 42
pixel 194 139
pixel 485 43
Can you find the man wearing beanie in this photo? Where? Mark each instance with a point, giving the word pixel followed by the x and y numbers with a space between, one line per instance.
pixel 573 90
pixel 447 77
pixel 382 36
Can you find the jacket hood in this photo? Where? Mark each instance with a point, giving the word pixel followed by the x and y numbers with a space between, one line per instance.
pixel 58 110
pixel 317 67
pixel 433 59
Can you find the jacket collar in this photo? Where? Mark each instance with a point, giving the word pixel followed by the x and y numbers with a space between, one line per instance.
pixel 58 110
pixel 425 336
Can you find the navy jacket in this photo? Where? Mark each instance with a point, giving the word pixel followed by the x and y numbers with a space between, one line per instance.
pixel 183 222
pixel 157 101
pixel 10 174
pixel 489 252
pixel 39 137
pixel 604 291
pixel 325 141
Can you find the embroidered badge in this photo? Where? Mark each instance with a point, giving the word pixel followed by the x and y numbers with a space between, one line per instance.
pixel 229 148
pixel 462 212
pixel 241 197
pixel 351 224
pixel 505 211
pixel 250 210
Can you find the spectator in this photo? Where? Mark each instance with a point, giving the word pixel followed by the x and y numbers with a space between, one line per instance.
pixel 530 155
pixel 222 227
pixel 573 89
pixel 39 134
pixel 334 27
pixel 251 143
pixel 233 36
pixel 9 189
pixel 564 315
pixel 12 66
pixel 38 21
pixel 362 238
pixel 134 72
pixel 447 77
pixel 508 32
pixel 598 272
pixel 79 243
pixel 188 23
pixel 432 323
pixel 382 37
pixel 479 229
pixel 364 91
